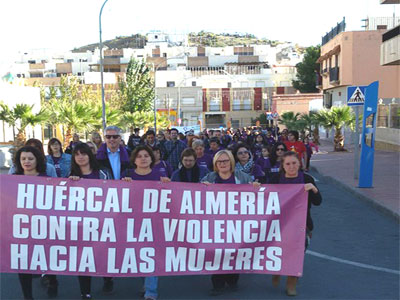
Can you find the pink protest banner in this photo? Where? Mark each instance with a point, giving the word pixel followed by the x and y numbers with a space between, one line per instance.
pixel 147 228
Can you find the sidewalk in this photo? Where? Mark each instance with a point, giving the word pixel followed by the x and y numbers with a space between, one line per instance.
pixel 339 168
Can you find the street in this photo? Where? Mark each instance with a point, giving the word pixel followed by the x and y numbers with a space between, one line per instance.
pixel 354 254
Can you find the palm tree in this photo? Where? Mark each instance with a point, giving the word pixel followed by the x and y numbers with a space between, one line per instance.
pixel 113 116
pixel 24 114
pixel 337 118
pixel 7 116
pixel 311 123
pixel 289 119
pixel 72 114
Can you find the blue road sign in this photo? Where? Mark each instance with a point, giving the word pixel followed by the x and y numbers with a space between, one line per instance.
pixel 356 95
pixel 368 136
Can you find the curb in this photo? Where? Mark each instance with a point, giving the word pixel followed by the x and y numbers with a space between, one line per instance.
pixel 361 196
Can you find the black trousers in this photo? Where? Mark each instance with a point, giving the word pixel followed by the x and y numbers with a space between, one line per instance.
pixel 219 280
pixel 26 283
pixel 85 284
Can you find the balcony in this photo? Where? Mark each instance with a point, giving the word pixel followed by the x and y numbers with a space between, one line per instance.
pixel 318 81
pixel 390 48
pixel 334 75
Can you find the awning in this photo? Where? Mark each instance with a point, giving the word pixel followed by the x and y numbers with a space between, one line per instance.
pixel 330 53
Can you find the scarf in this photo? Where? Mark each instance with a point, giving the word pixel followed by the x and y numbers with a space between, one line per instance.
pixel 247 168
pixel 195 174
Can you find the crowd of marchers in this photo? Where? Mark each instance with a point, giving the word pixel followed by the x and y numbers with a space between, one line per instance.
pixel 242 156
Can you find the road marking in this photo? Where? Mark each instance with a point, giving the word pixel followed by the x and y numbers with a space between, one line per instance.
pixel 312 160
pixel 349 262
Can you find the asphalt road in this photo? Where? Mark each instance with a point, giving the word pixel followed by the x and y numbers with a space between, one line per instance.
pixel 354 254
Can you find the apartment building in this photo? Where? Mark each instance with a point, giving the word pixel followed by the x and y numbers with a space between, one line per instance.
pixel 192 83
pixel 353 58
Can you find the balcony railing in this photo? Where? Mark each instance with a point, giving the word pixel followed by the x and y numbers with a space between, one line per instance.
pixel 334 74
pixel 318 80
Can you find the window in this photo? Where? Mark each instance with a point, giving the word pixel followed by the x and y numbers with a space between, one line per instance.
pixel 214 104
pixel 229 84
pixel 187 101
pixel 36 75
pixel 193 83
pixel 246 104
pixel 236 104
pixel 260 83
pixel 170 83
pixel 79 74
pixel 70 60
pixel 164 54
pixel 31 62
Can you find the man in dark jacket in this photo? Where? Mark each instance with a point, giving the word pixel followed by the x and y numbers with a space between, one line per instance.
pixel 112 154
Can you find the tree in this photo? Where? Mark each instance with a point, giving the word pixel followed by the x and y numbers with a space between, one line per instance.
pixel 306 69
pixel 25 115
pixel 310 122
pixel 290 120
pixel 144 120
pixel 136 91
pixel 6 116
pixel 337 118
pixel 73 109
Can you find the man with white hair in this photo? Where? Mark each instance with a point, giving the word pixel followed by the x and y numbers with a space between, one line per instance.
pixel 112 154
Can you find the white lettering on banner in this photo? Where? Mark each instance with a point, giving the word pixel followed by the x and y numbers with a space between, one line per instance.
pixel 151 201
pixel 49 197
pixel 231 203
pixel 224 231
pixel 40 227
pixel 130 263
pixel 145 233
pixel 20 259
pixel 181 259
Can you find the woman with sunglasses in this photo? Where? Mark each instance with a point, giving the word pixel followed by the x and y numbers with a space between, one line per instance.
pixel 290 173
pixel 246 164
pixel 29 161
pixel 142 159
pixel 61 161
pixel 272 164
pixel 84 165
pixel 225 172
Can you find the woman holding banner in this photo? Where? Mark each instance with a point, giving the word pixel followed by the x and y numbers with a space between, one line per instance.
pixel 290 173
pixel 31 162
pixel 225 172
pixel 143 160
pixel 85 165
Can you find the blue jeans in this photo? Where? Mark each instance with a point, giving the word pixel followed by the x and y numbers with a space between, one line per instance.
pixel 150 287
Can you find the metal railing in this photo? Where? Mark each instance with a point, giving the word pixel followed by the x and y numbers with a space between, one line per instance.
pixel 334 74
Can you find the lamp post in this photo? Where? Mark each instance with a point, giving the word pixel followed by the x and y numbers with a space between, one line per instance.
pixel 103 102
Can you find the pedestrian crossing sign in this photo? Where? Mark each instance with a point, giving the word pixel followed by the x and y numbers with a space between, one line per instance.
pixel 356 95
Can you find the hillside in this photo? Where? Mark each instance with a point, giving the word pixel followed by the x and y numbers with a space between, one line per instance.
pixel 225 39
pixel 136 41
pixel 195 39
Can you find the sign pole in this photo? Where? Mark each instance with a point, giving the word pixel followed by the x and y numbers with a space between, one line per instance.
pixel 356 143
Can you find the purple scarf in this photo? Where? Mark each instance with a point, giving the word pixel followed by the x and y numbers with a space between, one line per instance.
pixel 298 179
pixel 102 153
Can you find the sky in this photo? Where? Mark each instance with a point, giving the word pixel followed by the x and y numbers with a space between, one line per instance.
pixel 66 24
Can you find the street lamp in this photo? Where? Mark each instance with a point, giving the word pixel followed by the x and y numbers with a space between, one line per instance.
pixel 103 102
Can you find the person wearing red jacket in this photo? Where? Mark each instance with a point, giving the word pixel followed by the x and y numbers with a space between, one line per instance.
pixel 293 144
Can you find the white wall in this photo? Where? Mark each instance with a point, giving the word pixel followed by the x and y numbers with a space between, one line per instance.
pixel 94 78
pixel 219 61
